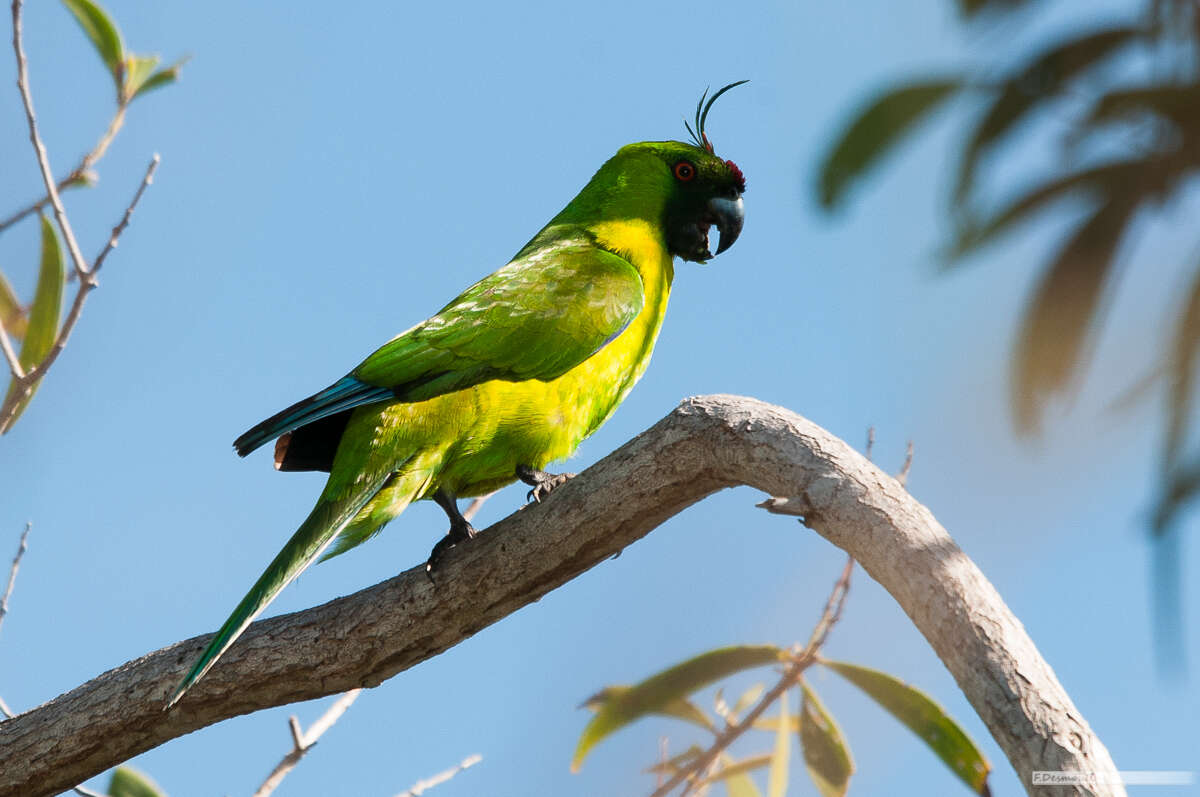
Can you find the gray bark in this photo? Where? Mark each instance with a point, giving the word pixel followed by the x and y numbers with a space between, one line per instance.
pixel 704 445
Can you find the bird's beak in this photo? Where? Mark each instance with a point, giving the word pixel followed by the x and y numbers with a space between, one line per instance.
pixel 728 215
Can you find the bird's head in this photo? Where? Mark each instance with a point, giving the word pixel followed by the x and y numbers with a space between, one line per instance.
pixel 684 189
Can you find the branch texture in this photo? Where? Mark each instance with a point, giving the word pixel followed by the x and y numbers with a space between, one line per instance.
pixel 704 445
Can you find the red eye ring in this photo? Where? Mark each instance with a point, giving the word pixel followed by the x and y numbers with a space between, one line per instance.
pixel 684 171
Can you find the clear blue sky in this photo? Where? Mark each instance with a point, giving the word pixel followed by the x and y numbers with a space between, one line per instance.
pixel 330 177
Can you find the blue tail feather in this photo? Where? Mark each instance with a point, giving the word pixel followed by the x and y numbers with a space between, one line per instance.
pixel 345 394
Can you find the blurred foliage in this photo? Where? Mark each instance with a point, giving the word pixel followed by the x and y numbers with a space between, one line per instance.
pixel 1129 95
pixel 826 753
pixel 128 782
pixel 37 325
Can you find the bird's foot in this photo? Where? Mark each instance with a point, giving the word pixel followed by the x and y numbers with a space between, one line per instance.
pixel 459 532
pixel 541 482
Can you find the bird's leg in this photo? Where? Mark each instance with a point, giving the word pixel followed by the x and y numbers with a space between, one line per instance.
pixel 541 482
pixel 460 530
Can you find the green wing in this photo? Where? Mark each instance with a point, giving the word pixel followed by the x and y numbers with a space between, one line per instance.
pixel 536 318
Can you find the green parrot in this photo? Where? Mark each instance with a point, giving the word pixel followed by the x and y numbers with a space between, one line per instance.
pixel 509 376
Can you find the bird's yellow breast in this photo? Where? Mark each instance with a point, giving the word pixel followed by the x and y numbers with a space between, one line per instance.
pixel 535 423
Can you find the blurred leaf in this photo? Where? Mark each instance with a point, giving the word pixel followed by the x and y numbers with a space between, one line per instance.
pixel 970 8
pixel 675 763
pixel 748 698
pixel 777 777
pixel 1107 180
pixel 128 782
pixel 772 724
pixel 731 768
pixel 681 708
pixel 103 34
pixel 44 312
pixel 825 752
pixel 923 717
pixel 162 77
pixel 138 69
pixel 1178 104
pixel 12 315
pixel 1041 79
pixel 1182 367
pixel 735 775
pixel 1063 311
pixel 877 128
pixel 656 693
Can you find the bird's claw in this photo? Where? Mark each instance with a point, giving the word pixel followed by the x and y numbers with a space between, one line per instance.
pixel 543 483
pixel 453 537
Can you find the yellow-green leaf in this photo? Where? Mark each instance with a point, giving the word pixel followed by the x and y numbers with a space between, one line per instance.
pixel 162 77
pixel 654 694
pixel 12 315
pixel 923 717
pixel 681 708
pixel 825 752
pixel 675 762
pixel 735 775
pixel 138 69
pixel 748 698
pixel 102 32
pixel 876 130
pixel 777 777
pixel 45 310
pixel 128 782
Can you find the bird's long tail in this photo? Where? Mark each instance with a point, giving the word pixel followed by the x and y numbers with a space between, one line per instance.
pixel 319 529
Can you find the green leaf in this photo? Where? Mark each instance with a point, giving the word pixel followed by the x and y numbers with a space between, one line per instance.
pixel 825 752
pixel 1052 344
pixel 654 694
pixel 128 782
pixel 103 34
pixel 877 128
pixel 736 776
pixel 12 315
pixel 681 708
pixel 777 778
pixel 138 69
pixel 44 312
pixel 1042 78
pixel 923 717
pixel 163 77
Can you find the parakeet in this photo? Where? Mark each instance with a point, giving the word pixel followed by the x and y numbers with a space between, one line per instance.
pixel 508 377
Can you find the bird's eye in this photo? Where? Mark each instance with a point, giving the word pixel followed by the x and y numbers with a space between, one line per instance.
pixel 684 171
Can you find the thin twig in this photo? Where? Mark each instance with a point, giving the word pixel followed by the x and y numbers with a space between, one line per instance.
pixel 791 676
pixel 83 791
pixel 124 222
pixel 77 174
pixel 39 148
pixel 303 742
pixel 475 505
pixel 422 786
pixel 29 381
pixel 902 476
pixel 22 547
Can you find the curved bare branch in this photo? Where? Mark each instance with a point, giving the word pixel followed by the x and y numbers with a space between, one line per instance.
pixel 704 445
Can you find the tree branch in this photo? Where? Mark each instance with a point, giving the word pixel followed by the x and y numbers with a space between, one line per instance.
pixel 39 148
pixel 28 381
pixel 704 445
